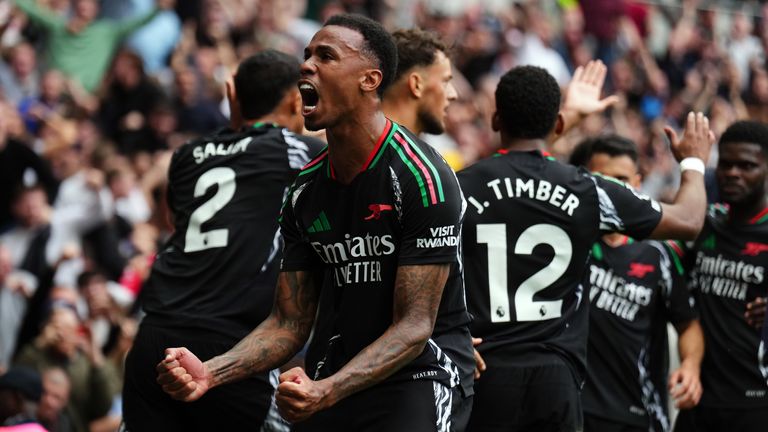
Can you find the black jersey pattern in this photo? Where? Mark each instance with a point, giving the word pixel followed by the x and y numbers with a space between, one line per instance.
pixel 728 263
pixel 404 208
pixel 528 233
pixel 763 352
pixel 218 270
pixel 634 288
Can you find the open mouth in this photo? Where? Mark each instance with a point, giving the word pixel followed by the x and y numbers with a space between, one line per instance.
pixel 309 98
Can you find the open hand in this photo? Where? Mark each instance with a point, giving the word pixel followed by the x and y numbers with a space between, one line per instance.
pixel 583 93
pixel 697 138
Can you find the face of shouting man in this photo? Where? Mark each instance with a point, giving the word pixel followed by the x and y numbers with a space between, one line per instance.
pixel 337 72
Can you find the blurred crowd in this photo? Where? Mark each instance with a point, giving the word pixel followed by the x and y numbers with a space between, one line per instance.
pixel 95 95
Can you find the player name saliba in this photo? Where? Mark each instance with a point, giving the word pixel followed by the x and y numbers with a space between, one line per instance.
pixel 540 190
pixel 203 152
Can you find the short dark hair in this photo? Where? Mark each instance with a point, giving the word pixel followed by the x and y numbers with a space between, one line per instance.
pixel 379 44
pixel 527 102
pixel 22 190
pixel 611 144
pixel 262 81
pixel 415 48
pixel 747 131
pixel 87 277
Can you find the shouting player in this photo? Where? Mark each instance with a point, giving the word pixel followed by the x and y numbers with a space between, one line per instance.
pixel 529 228
pixel 728 264
pixel 634 289
pixel 371 230
pixel 215 279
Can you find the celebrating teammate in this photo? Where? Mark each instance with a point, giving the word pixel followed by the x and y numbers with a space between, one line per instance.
pixel 728 263
pixel 422 88
pixel 529 228
pixel 371 230
pixel 417 99
pixel 215 279
pixel 634 289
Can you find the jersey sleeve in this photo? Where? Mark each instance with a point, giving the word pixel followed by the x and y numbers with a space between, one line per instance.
pixel 171 188
pixel 624 210
pixel 297 251
pixel 679 304
pixel 431 228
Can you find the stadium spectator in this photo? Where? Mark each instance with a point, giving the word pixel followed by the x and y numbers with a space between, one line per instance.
pixel 51 412
pixel 82 46
pixel 20 391
pixel 20 78
pixel 130 97
pixel 64 343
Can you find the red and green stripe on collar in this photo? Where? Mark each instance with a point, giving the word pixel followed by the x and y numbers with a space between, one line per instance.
pixel 426 175
pixel 545 154
pixel 760 217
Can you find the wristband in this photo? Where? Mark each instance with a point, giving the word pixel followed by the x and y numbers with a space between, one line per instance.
pixel 693 164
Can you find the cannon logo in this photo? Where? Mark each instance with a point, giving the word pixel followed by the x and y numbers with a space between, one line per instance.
pixel 376 210
pixel 639 270
pixel 754 248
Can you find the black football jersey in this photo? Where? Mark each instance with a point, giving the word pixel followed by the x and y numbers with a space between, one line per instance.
pixel 763 352
pixel 530 225
pixel 404 208
pixel 728 263
pixel 634 289
pixel 218 270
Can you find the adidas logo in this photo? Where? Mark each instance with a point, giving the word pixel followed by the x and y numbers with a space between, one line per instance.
pixel 320 224
pixel 709 243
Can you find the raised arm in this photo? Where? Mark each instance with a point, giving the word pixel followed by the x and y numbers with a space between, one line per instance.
pixel 183 376
pixel 128 26
pixel 582 97
pixel 40 15
pixel 684 218
pixel 418 290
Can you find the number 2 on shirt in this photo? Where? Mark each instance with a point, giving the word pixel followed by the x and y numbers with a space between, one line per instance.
pixel 195 239
pixel 526 309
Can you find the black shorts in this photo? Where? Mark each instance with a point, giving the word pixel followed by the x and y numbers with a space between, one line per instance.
pixel 705 419
pixel 532 398
pixel 413 406
pixel 597 424
pixel 146 407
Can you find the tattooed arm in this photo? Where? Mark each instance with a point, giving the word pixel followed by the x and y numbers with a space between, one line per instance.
pixel 183 376
pixel 418 290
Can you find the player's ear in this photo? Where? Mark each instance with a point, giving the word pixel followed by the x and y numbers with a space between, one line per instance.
pixel 296 101
pixel 415 84
pixel 235 118
pixel 559 124
pixel 496 121
pixel 371 80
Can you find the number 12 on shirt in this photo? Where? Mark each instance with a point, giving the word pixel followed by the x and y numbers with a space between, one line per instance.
pixel 526 309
